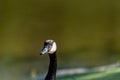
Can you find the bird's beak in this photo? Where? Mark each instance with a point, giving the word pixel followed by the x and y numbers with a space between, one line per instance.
pixel 44 51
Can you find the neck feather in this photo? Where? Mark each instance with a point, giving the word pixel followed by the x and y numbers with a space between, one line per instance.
pixel 52 67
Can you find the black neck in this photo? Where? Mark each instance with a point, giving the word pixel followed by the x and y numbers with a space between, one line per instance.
pixel 52 67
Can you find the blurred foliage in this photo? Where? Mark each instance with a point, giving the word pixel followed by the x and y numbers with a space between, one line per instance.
pixel 108 74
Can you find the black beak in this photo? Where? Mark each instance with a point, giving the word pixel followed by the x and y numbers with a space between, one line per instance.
pixel 44 51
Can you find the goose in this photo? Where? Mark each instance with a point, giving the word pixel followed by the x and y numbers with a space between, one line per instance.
pixel 50 48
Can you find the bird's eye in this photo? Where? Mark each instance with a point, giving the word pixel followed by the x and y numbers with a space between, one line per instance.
pixel 45 43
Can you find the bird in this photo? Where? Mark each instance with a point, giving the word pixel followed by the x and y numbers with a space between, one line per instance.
pixel 50 48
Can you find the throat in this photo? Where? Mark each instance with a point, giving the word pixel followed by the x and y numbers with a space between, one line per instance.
pixel 51 75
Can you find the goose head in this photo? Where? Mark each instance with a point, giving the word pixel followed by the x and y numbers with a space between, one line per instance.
pixel 49 47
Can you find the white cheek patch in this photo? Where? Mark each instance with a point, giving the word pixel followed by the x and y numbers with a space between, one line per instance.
pixel 53 49
pixel 49 41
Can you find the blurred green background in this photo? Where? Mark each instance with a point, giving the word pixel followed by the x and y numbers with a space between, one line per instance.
pixel 87 33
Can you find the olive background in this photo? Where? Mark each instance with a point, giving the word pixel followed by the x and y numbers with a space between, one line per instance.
pixel 87 33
